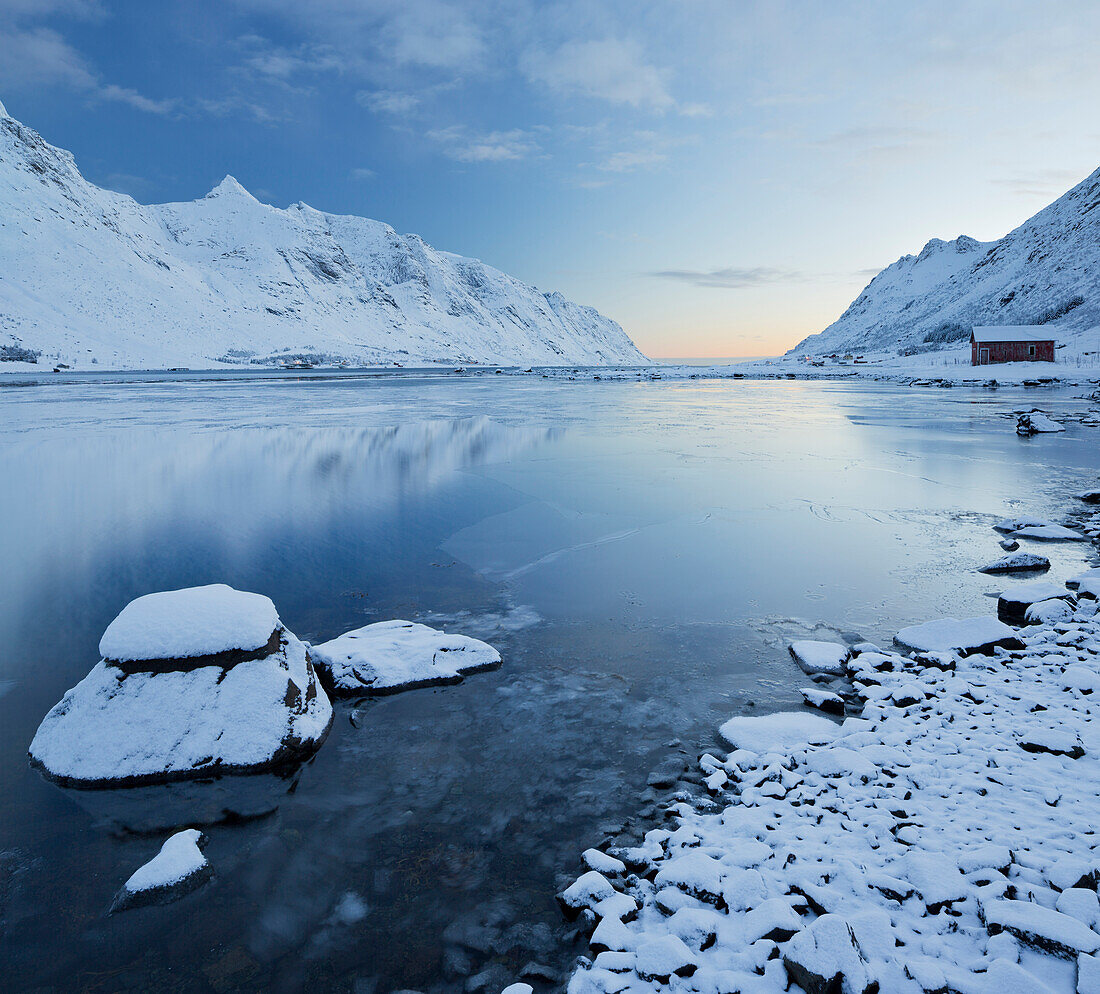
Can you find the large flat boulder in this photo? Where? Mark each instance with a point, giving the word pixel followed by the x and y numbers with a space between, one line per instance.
pixel 781 732
pixel 965 635
pixel 820 657
pixel 391 656
pixel 1013 604
pixel 227 703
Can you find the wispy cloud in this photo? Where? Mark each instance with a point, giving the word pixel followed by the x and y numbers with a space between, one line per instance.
pixel 731 278
pixel 388 101
pixel 362 174
pixel 613 70
pixel 626 162
pixel 34 56
pixel 1044 183
pixel 463 145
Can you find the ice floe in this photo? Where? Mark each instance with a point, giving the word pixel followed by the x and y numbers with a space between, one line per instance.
pixel 392 656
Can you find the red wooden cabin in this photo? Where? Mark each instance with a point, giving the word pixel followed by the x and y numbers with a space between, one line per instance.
pixel 1010 343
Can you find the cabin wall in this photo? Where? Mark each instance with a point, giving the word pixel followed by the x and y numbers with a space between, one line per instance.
pixel 1013 351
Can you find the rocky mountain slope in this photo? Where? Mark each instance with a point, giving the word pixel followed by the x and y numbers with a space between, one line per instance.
pixel 89 276
pixel 1046 271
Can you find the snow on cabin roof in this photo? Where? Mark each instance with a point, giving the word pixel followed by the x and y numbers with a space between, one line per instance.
pixel 1012 333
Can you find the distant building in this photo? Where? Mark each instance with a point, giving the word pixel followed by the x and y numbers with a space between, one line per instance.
pixel 1010 343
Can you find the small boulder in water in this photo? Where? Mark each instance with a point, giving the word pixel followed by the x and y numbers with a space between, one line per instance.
pixel 1021 562
pixel 392 656
pixel 179 868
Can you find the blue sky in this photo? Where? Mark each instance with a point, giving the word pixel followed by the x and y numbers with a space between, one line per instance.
pixel 720 177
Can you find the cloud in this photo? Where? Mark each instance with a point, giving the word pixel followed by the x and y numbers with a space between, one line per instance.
pixel 362 174
pixel 1044 183
pixel 463 145
pixel 32 57
pixel 626 162
pixel 732 278
pixel 388 101
pixel 611 70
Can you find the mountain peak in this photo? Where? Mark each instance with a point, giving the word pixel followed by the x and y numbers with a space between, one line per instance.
pixel 3 110
pixel 229 187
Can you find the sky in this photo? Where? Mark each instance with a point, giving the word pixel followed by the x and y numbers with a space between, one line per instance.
pixel 722 177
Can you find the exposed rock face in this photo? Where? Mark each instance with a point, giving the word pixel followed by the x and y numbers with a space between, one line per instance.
pixel 193 683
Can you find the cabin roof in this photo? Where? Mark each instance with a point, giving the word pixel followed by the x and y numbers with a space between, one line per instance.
pixel 1011 333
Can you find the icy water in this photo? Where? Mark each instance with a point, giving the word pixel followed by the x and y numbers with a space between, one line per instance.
pixel 640 553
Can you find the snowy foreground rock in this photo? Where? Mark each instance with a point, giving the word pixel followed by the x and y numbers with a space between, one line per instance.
pixel 192 683
pixel 179 868
pixel 945 841
pixel 392 656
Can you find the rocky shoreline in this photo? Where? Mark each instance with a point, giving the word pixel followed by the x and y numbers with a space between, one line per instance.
pixel 941 839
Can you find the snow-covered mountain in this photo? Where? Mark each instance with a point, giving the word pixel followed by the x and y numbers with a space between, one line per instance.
pixel 88 275
pixel 1045 271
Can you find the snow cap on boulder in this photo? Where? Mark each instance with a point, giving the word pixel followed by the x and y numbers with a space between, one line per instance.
pixel 190 624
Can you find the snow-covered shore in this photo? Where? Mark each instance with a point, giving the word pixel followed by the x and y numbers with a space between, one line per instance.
pixel 944 840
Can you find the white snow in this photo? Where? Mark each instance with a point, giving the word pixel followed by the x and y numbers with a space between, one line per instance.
pixel 819 657
pixel 179 858
pixel 948 634
pixel 949 845
pixel 229 280
pixel 114 726
pixel 1043 272
pixel 195 621
pixel 779 732
pixel 824 700
pixel 400 655
pixel 1016 562
pixel 1039 422
pixel 1087 576
pixel 1049 533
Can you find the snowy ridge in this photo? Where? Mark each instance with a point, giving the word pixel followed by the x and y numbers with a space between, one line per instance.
pixel 91 275
pixel 1046 271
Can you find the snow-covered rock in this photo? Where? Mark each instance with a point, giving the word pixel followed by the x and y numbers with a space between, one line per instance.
pixel 1013 604
pixel 1087 576
pixel 945 846
pixel 1036 423
pixel 820 657
pixel 227 279
pixel 964 635
pixel 823 700
pixel 779 732
pixel 1019 562
pixel 1044 271
pixel 391 656
pixel 219 706
pixel 1049 533
pixel 185 624
pixel 179 868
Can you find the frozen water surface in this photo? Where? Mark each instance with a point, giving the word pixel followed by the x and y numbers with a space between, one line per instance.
pixel 641 555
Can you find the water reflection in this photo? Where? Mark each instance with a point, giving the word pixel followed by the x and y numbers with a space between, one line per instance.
pixel 639 572
pixel 164 807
